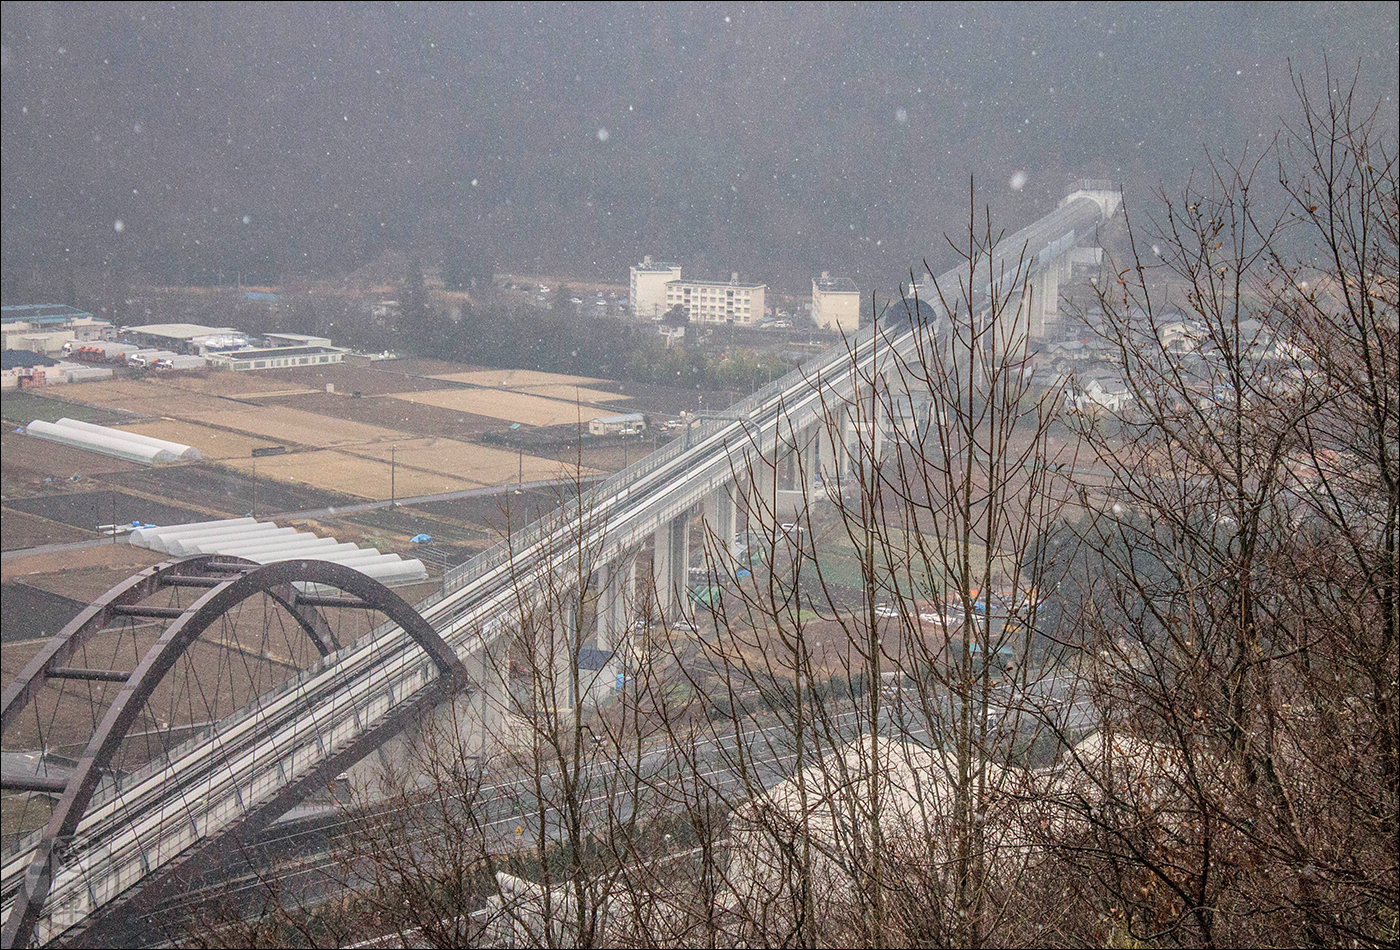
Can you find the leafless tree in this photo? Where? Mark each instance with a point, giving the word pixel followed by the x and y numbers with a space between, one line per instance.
pixel 1243 636
pixel 995 667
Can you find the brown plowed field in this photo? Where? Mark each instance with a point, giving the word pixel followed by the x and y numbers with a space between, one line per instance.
pixel 400 414
pixel 571 393
pixel 19 529
pixel 356 375
pixel 27 459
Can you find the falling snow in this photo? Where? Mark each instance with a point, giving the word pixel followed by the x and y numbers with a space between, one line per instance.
pixel 774 140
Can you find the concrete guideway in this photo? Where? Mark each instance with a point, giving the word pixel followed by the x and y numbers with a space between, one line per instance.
pixel 243 766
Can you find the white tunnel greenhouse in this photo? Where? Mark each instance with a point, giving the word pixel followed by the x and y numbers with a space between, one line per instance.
pixel 264 543
pixel 116 443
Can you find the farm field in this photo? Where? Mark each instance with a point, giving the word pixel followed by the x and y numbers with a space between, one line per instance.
pixel 508 406
pixel 27 613
pixel 22 408
pixel 19 529
pixel 141 397
pixel 88 509
pixel 281 424
pixel 28 461
pixel 354 375
pixel 212 443
pixel 516 378
pixel 571 393
pixel 237 385
pixel 217 488
pixel 416 418
pixel 350 474
pixel 477 463
pixel 79 575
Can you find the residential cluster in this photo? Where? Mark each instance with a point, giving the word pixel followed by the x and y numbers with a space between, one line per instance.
pixel 657 287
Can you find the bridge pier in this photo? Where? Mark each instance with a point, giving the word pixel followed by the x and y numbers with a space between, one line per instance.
pixel 670 565
pixel 564 694
pixel 617 595
pixel 722 518
pixel 486 703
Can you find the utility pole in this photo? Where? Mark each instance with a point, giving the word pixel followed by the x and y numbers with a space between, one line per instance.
pixel 393 452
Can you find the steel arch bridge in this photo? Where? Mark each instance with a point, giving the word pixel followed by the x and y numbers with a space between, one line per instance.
pixel 300 692
pixel 189 625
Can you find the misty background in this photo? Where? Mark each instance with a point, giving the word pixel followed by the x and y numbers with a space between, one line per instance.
pixel 296 141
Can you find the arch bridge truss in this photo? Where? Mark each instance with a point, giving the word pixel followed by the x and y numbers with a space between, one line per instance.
pixel 139 680
pixel 237 690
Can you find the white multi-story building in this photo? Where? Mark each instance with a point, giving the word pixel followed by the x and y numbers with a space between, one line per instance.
pixel 836 303
pixel 648 287
pixel 718 301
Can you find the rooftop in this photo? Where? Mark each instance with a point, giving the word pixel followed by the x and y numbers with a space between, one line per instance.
pixel 15 359
pixel 648 264
pixel 835 285
pixel 180 331
pixel 42 313
pixel 274 351
pixel 732 281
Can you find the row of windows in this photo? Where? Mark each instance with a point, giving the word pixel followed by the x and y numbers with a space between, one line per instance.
pixel 284 361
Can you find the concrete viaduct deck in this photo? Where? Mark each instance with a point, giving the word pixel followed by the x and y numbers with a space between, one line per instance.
pixel 245 770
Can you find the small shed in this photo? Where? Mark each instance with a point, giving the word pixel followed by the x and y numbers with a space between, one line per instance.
pixel 632 423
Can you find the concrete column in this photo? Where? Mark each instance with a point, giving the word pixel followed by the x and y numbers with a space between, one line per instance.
pixel 616 596
pixel 832 450
pixel 812 456
pixel 1044 304
pixel 764 477
pixel 722 518
pixel 846 434
pixel 486 703
pixel 680 565
pixel 612 625
pixel 661 569
pixel 561 657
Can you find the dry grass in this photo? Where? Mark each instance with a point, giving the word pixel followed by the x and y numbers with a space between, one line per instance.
pixel 516 378
pixel 508 406
pixel 570 393
pixel 235 385
pixel 285 425
pixel 349 474
pixel 211 443
pixel 147 397
pixel 463 460
pixel 83 574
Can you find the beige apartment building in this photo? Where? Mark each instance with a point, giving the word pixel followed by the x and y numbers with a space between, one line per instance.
pixel 648 287
pixel 835 303
pixel 718 301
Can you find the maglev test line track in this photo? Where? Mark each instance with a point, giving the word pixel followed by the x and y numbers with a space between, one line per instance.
pixel 257 760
